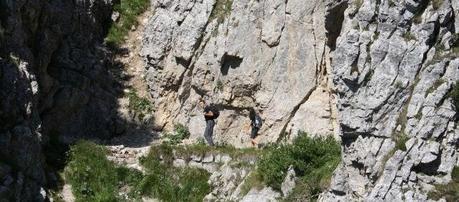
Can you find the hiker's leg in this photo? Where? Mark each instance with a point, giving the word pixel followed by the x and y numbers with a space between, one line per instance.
pixel 209 132
pixel 254 132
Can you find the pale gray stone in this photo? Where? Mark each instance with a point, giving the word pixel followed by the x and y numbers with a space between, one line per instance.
pixel 289 182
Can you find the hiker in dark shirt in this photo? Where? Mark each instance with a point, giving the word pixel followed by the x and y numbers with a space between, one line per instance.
pixel 256 124
pixel 210 114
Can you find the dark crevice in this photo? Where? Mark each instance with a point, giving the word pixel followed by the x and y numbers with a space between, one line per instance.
pixel 229 61
pixel 338 193
pixel 334 22
pixel 182 61
pixel 358 165
pixel 419 9
pixel 431 168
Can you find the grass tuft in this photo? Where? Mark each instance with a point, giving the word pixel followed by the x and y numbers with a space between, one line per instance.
pixel 253 180
pixel 180 133
pixel 450 191
pixel 455 96
pixel 167 183
pixel 313 159
pixel 128 10
pixel 222 9
pixel 435 86
pixel 93 177
pixel 400 141
pixel 436 4
pixel 139 105
pixel 408 36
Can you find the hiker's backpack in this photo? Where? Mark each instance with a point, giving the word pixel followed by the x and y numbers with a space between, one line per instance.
pixel 215 112
pixel 258 122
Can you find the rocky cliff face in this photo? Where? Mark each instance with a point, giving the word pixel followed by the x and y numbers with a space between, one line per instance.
pixel 270 55
pixel 54 80
pixel 394 64
pixel 376 74
pixel 389 64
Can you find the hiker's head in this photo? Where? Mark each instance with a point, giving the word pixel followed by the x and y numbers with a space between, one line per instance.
pixel 202 102
pixel 252 114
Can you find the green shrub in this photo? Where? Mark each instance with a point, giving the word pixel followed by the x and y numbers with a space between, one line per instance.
pixel 167 183
pixel 221 10
pixel 400 141
pixel 94 178
pixel 313 159
pixel 399 84
pixel 219 85
pixel 139 105
pixel 253 180
pixel 180 133
pixel 408 36
pixel 128 10
pixel 448 191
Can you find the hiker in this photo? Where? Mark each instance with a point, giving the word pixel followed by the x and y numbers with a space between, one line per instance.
pixel 256 125
pixel 210 114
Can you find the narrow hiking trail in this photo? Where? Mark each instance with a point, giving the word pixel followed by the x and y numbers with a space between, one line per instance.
pixel 138 138
pixel 136 141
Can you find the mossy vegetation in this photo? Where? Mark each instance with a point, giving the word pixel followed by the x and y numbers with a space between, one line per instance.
pixel 400 141
pixel 435 86
pixel 222 9
pixel 129 10
pixel 358 4
pixel 436 4
pixel 313 159
pixel 253 180
pixel 219 85
pixel 94 178
pixel 399 84
pixel 455 95
pixel 408 36
pixel 180 133
pixel 168 183
pixel 442 52
pixel 449 191
pixel 139 105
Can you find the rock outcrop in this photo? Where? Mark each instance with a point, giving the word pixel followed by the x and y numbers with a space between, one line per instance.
pixel 269 55
pixel 376 74
pixel 387 66
pixel 54 80
pixel 394 64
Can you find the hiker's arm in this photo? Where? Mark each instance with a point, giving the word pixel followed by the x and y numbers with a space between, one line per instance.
pixel 209 113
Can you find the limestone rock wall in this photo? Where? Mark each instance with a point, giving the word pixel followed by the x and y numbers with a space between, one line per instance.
pixel 387 66
pixel 52 81
pixel 394 64
pixel 271 55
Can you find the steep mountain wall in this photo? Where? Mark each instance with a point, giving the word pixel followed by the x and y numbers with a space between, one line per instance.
pixel 395 63
pixel 387 66
pixel 271 55
pixel 376 74
pixel 54 80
